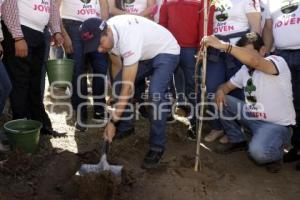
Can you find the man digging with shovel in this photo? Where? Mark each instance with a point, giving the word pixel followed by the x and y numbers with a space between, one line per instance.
pixel 147 49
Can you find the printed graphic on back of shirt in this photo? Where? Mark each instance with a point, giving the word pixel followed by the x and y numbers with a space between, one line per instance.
pixel 289 17
pixel 222 10
pixel 87 8
pixel 254 109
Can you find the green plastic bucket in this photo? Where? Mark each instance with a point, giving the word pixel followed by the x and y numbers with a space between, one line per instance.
pixel 23 134
pixel 60 72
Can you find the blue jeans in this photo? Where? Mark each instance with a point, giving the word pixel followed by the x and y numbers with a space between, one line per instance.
pixel 5 86
pixel 268 138
pixel 220 68
pixel 99 65
pixel 186 87
pixel 292 58
pixel 161 69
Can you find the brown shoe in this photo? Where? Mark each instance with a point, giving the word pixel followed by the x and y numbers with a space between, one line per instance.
pixel 213 135
pixel 224 139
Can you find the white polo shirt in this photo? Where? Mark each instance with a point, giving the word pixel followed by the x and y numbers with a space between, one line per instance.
pixel 268 97
pixel 231 16
pixel 79 10
pixel 286 23
pixel 137 38
pixel 34 14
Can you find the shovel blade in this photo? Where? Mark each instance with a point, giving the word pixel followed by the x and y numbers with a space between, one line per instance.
pixel 103 165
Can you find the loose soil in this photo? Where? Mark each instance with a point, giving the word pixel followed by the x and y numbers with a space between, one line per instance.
pixel 50 173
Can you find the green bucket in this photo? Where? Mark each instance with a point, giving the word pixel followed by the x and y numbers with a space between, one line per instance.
pixel 60 72
pixel 23 134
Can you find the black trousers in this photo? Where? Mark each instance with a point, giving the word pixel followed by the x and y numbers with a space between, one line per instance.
pixel 25 75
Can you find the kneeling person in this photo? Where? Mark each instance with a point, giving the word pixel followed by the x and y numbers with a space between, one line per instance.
pixel 268 109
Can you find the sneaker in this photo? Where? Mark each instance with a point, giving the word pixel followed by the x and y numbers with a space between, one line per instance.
pixel 291 156
pixel 230 147
pixel 192 134
pixel 224 139
pixel 80 128
pixel 152 159
pixel 213 135
pixel 182 111
pixel 274 167
pixel 98 117
pixel 123 134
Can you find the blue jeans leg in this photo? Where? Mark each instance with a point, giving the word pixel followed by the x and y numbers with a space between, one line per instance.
pixel 79 69
pixel 5 86
pixel 144 70
pixel 268 138
pixel 163 67
pixel 187 65
pixel 99 64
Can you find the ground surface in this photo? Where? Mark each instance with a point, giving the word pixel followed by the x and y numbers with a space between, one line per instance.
pixel 49 174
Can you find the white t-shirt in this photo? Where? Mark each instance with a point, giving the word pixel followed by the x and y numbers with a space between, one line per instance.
pixel 34 14
pixel 137 38
pixel 135 6
pixel 78 10
pixel 286 23
pixel 230 16
pixel 268 97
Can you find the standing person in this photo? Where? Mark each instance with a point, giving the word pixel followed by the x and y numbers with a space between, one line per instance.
pixel 5 84
pixel 282 29
pixel 267 109
pixel 73 13
pixel 24 53
pixel 147 49
pixel 178 17
pixel 232 19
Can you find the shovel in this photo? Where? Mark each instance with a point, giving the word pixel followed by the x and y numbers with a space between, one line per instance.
pixel 103 165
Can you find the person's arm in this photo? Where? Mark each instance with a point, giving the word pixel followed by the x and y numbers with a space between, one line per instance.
pixel 151 9
pixel 246 56
pixel 128 79
pixel 221 93
pixel 10 14
pixel 268 34
pixel 104 9
pixel 55 24
pixel 254 20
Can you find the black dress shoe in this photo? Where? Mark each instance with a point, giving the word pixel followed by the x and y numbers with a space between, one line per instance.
pixel 291 156
pixel 152 159
pixel 50 131
pixel 230 147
